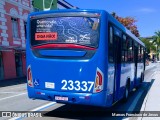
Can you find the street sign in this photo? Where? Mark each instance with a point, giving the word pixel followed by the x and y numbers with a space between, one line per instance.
pixel 45 4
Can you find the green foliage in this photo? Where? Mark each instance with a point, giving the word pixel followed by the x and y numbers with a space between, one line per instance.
pixel 156 39
pixel 149 45
pixel 156 42
pixel 154 45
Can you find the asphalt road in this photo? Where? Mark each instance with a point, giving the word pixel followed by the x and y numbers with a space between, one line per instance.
pixel 14 98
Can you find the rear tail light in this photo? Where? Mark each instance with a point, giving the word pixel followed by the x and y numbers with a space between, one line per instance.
pixel 98 87
pixel 29 76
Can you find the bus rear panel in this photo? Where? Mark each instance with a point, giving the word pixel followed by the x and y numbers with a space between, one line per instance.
pixel 64 58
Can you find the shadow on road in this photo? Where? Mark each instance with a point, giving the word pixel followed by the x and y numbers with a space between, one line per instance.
pixel 93 113
pixel 10 82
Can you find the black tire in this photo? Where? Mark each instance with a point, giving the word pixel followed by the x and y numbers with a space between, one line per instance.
pixel 126 93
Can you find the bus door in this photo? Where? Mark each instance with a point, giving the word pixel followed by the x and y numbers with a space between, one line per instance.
pixel 117 60
pixel 135 62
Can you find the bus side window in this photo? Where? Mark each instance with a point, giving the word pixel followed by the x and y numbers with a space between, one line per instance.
pixel 142 54
pixel 124 50
pixel 139 53
pixel 130 50
pixel 110 46
pixel 133 59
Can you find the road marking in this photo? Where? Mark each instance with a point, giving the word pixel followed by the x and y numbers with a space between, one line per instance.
pixel 43 107
pixel 12 96
pixel 36 109
pixel 9 92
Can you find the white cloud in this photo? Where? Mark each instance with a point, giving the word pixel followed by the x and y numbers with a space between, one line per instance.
pixel 146 10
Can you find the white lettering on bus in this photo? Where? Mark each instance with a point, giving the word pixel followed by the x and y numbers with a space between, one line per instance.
pixel 77 85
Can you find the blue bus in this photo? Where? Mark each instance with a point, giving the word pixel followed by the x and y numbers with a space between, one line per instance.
pixel 82 57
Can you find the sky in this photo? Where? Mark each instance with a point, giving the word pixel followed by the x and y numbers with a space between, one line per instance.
pixel 146 12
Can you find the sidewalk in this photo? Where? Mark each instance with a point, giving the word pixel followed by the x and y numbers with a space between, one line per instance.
pixel 151 65
pixel 152 99
pixel 151 103
pixel 15 81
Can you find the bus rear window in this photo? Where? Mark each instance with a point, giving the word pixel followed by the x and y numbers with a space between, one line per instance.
pixel 75 30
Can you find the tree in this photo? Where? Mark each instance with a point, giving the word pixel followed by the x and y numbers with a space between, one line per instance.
pixel 156 42
pixel 129 23
pixel 149 45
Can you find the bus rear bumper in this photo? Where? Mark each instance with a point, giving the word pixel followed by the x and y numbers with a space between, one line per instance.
pixel 94 99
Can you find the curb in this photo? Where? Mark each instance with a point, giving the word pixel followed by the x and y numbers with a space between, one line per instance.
pixel 14 81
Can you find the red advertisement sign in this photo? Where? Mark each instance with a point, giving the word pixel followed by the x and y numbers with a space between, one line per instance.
pixel 46 36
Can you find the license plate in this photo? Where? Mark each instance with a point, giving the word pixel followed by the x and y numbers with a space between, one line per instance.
pixel 61 98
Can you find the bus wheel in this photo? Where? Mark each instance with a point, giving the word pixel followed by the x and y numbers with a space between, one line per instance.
pixel 126 93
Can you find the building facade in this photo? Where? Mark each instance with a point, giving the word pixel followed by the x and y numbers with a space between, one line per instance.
pixel 13 21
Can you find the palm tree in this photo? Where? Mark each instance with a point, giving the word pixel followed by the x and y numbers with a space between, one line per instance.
pixel 149 46
pixel 156 42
